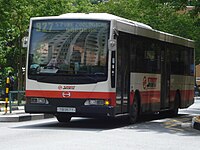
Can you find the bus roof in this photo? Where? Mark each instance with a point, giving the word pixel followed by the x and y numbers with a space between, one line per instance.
pixel 142 29
pixel 99 16
pixel 103 16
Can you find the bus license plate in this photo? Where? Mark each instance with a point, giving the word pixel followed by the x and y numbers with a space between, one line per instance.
pixel 66 109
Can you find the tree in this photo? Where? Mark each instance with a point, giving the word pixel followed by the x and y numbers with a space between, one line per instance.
pixel 51 7
pixel 14 22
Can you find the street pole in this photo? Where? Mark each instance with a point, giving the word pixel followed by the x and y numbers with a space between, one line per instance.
pixel 7 94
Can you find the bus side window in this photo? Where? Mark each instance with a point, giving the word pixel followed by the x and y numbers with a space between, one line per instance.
pixel 152 57
pixel 140 56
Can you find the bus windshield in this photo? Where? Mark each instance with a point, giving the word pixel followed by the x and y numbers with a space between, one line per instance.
pixel 68 51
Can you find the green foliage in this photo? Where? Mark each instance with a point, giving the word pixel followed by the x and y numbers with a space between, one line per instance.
pixel 51 7
pixel 3 74
pixel 2 55
pixel 14 24
pixel 84 6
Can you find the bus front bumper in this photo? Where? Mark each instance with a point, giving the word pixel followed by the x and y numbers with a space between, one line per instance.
pixel 81 111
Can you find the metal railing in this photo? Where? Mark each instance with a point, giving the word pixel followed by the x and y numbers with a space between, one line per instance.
pixel 16 98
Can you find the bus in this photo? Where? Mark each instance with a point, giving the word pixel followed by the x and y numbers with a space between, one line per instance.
pixel 102 65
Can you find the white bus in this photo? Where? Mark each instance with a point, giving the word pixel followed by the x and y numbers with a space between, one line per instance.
pixel 101 65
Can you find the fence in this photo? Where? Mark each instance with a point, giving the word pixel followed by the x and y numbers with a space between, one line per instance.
pixel 16 98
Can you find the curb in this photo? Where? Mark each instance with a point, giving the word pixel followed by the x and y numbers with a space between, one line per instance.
pixel 196 122
pixel 23 117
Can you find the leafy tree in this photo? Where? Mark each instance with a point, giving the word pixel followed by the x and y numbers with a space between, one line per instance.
pixel 2 56
pixel 51 7
pixel 84 6
pixel 14 22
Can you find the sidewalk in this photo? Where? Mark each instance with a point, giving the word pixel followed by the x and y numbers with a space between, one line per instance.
pixel 18 114
pixel 196 119
pixel 194 110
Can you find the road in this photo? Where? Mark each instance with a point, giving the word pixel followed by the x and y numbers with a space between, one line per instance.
pixel 151 132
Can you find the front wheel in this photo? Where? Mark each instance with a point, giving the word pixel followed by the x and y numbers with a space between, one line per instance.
pixel 64 118
pixel 134 111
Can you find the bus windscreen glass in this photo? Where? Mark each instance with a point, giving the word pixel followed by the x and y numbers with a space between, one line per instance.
pixel 68 51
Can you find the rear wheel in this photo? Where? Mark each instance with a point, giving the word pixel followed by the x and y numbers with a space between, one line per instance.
pixel 64 118
pixel 134 111
pixel 174 111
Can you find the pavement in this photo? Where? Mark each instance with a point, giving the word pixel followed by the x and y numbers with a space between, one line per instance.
pixel 18 114
pixel 196 108
pixel 193 112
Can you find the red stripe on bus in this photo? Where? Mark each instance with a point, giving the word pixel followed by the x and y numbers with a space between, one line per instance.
pixel 72 94
pixel 187 94
pixel 154 96
pixel 147 97
pixel 150 97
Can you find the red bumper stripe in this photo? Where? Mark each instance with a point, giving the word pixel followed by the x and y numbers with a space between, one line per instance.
pixel 73 94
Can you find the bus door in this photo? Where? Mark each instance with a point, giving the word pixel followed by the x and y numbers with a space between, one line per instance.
pixel 123 74
pixel 165 79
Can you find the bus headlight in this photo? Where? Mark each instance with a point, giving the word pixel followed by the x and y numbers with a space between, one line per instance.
pixel 97 102
pixel 39 101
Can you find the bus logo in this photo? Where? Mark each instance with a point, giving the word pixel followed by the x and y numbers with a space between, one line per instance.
pixel 66 94
pixel 152 83
pixel 149 83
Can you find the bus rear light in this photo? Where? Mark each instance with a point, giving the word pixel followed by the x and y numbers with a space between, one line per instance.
pixel 39 101
pixel 97 102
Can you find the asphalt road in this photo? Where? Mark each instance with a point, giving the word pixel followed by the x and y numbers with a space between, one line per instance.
pixel 152 132
pixel 100 134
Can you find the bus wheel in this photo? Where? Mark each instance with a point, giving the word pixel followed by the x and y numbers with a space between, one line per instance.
pixel 63 118
pixel 174 111
pixel 134 111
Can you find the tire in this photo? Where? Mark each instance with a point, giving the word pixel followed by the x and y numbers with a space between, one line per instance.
pixel 134 111
pixel 174 111
pixel 63 118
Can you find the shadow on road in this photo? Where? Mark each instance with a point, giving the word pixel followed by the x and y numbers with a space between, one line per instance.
pixel 146 123
pixel 81 124
pixel 180 124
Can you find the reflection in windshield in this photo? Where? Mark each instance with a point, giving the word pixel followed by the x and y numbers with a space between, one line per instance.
pixel 68 47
